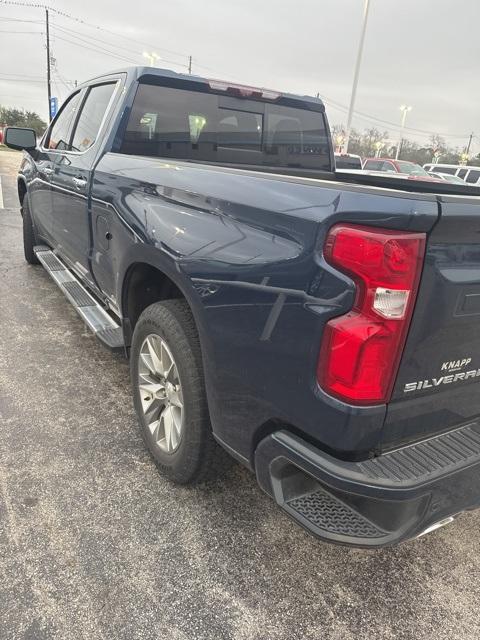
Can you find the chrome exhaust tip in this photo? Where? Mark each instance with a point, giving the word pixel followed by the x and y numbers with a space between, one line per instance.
pixel 436 525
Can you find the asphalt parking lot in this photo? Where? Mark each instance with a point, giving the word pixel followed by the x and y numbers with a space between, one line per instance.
pixel 94 544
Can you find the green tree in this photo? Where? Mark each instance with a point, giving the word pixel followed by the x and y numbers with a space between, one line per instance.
pixel 21 118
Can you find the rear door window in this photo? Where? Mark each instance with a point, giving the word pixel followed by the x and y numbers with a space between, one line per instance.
pixel 461 173
pixel 91 116
pixel 198 126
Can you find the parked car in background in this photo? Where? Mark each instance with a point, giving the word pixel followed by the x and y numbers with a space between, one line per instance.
pixel 394 166
pixel 446 177
pixel 348 161
pixel 469 174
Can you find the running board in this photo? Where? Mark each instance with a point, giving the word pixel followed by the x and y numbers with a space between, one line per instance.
pixel 90 310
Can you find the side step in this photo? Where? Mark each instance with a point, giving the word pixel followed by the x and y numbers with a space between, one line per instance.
pixel 90 310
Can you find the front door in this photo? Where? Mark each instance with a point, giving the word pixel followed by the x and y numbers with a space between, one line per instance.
pixel 40 189
pixel 71 180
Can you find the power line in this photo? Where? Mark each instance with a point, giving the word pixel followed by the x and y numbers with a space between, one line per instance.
pixel 20 75
pixel 102 49
pixel 20 20
pixel 39 33
pixel 34 5
pixel 394 125
pixel 95 48
pixel 23 81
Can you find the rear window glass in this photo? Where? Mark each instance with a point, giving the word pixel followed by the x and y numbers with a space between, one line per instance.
pixel 191 125
pixel 348 162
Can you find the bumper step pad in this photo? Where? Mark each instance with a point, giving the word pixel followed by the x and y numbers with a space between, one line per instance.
pixel 89 309
pixel 333 516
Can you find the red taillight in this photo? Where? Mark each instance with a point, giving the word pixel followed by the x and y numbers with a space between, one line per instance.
pixel 361 350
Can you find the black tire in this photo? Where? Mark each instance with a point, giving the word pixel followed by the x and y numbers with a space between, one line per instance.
pixel 193 460
pixel 29 240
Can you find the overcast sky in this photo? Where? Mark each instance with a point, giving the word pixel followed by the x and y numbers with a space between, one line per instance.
pixel 424 53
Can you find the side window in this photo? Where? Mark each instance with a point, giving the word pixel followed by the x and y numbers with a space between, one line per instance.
pixel 473 176
pixel 59 136
pixel 388 166
pixel 374 165
pixel 461 173
pixel 450 170
pixel 91 116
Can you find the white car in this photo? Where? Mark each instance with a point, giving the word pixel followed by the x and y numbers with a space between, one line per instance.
pixel 447 177
pixel 469 174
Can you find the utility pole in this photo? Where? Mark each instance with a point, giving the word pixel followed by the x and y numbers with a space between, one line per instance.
pixel 356 75
pixel 49 88
pixel 467 150
pixel 189 64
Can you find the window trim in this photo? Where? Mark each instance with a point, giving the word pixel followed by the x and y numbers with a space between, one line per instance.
pixel 86 92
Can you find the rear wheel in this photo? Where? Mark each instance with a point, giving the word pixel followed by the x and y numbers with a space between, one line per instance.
pixel 169 391
pixel 29 240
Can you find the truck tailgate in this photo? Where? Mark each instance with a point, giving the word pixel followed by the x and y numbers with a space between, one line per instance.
pixel 438 382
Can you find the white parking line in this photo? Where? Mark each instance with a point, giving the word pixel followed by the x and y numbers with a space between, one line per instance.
pixel 1 194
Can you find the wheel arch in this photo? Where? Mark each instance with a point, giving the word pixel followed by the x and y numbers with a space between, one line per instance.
pixel 145 283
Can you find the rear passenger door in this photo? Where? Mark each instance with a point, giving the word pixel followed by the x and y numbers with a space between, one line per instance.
pixel 72 176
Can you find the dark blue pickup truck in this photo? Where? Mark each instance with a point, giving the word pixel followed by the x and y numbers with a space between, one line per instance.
pixel 322 327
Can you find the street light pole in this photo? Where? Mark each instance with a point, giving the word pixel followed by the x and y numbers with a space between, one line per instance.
pixel 356 75
pixel 404 109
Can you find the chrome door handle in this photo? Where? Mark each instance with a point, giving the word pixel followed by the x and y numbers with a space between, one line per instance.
pixel 80 183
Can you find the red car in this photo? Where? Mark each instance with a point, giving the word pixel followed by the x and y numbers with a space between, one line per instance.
pixel 394 166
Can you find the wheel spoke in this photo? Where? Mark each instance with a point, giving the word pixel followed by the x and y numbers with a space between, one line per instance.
pixel 167 362
pixel 154 429
pixel 167 422
pixel 152 411
pixel 155 356
pixel 177 421
pixel 176 398
pixel 161 393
